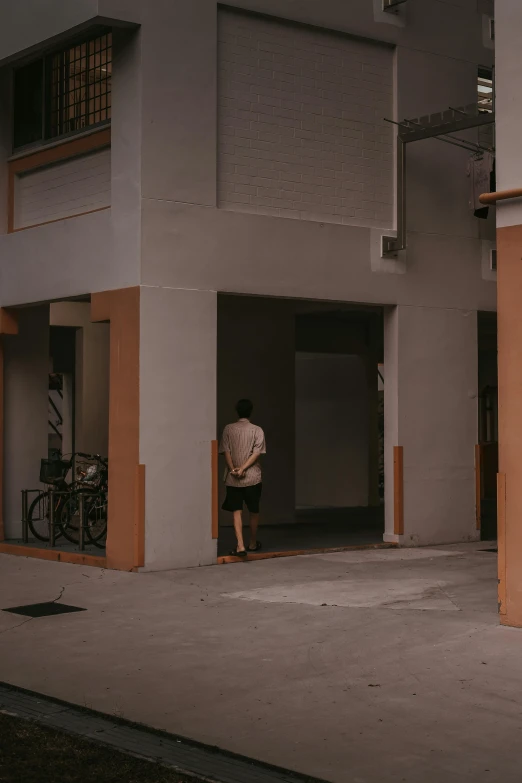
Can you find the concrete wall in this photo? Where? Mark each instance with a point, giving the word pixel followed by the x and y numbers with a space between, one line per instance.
pixel 29 26
pixel 187 244
pixel 26 386
pixel 332 434
pixel 177 424
pixel 92 375
pixel 166 128
pixel 256 359
pixel 93 252
pixel 431 411
pixel 165 233
pixel 508 72
pixel 25 25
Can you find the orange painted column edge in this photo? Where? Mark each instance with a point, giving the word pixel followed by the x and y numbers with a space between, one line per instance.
pixel 215 488
pixel 8 325
pixel 2 530
pixel 478 485
pixel 501 542
pixel 398 490
pixel 126 522
pixel 139 523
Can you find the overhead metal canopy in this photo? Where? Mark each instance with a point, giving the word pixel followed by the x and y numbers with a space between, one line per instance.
pixel 439 126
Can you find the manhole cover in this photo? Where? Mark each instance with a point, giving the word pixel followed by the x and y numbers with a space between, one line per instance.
pixel 43 610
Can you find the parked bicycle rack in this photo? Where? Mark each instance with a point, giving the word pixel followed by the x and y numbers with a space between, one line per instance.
pixel 52 494
pixel 25 509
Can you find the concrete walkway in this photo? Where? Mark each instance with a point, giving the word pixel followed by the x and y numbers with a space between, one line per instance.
pixel 360 667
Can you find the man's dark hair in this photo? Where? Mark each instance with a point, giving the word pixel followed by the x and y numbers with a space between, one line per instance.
pixel 244 409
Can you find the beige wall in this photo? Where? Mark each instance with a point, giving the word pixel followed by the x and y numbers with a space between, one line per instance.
pixel 186 243
pixel 26 388
pixel 509 108
pixel 165 233
pixel 177 425
pixel 92 252
pixel 430 410
pixel 164 168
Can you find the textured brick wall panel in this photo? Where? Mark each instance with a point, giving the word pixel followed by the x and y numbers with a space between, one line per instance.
pixel 301 133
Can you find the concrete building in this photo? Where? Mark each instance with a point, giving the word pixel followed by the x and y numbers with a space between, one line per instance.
pixel 216 181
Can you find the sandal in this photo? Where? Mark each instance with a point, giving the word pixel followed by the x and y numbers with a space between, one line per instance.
pixel 235 553
pixel 256 548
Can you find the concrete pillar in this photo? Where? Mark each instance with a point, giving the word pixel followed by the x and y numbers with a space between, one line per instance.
pixel 510 425
pixel 26 390
pixel 508 21
pixel 372 396
pixel 178 354
pixel 430 411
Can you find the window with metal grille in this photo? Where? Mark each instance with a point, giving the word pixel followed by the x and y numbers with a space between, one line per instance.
pixel 63 93
pixel 80 86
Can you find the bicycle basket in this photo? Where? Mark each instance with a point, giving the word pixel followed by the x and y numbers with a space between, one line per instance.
pixel 53 471
pixel 87 473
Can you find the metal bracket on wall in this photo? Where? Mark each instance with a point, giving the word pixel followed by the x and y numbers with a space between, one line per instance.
pixel 392 5
pixel 434 126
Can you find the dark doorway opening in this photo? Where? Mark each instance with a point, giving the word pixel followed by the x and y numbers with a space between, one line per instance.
pixel 487 450
pixel 314 372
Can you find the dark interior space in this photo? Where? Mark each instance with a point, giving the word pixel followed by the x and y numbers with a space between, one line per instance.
pixel 321 366
pixel 487 449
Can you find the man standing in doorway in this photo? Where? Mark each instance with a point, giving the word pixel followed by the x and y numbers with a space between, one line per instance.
pixel 242 444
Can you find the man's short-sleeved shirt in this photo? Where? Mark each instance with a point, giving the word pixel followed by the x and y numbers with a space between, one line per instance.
pixel 241 440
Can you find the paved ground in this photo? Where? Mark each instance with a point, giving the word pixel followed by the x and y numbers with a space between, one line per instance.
pixel 358 667
pixel 37 745
pixel 315 529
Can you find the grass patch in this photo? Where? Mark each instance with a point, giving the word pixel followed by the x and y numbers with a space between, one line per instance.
pixel 38 754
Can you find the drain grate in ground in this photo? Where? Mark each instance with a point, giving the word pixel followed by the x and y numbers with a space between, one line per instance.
pixel 46 609
pixel 186 756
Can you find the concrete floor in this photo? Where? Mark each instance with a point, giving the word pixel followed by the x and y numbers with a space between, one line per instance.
pixel 314 529
pixel 359 667
pixel 61 545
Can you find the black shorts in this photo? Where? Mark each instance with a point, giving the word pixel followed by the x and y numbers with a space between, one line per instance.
pixel 236 496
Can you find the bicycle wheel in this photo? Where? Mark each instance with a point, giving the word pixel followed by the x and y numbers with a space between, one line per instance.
pixel 38 517
pixel 69 518
pixel 96 519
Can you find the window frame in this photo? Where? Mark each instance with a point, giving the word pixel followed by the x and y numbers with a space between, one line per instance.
pixel 46 58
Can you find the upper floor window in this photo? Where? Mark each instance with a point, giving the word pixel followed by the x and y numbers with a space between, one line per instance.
pixel 65 92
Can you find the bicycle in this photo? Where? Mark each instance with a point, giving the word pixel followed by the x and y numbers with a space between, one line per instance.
pixel 53 473
pixel 91 481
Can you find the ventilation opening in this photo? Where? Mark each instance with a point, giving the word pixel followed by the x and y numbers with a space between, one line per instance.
pixel 392 5
pixel 493 260
pixel 485 90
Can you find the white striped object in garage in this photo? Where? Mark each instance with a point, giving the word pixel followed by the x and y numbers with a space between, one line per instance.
pixel 63 189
